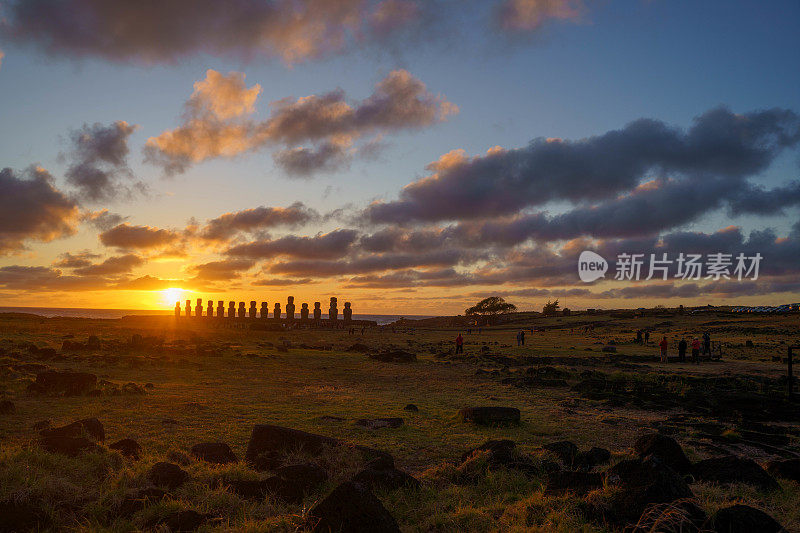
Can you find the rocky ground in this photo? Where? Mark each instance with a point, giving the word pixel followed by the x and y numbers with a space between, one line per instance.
pixel 149 424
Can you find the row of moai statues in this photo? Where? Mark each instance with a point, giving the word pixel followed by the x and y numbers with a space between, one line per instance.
pixel 252 312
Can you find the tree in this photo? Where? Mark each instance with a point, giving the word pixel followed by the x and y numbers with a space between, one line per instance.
pixel 550 308
pixel 490 307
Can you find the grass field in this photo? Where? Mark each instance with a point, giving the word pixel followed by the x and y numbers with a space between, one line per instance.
pixel 214 384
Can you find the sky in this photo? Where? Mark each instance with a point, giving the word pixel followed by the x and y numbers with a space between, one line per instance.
pixel 411 157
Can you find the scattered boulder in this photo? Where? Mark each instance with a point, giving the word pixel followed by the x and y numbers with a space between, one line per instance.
pixel 589 459
pixel 500 451
pixel 784 468
pixel 411 407
pixel 394 356
pixel 375 423
pixel 70 446
pixel 579 483
pixel 564 450
pixel 665 448
pixel 382 462
pixel 744 519
pixel 6 407
pixel 167 475
pixel 186 520
pixel 681 516
pixel 732 469
pixel 490 416
pixel 306 474
pixel 214 452
pixel 132 388
pixel 351 507
pixel 179 458
pixel 136 500
pixel 127 447
pixel 358 347
pixel 637 483
pixel 15 516
pixel 66 382
pixel 386 479
pixel 91 427
pixel 93 342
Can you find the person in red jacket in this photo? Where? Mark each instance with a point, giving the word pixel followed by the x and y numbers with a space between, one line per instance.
pixel 459 344
pixel 663 345
pixel 696 351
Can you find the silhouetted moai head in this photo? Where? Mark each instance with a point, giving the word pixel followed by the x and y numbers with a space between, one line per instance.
pixel 290 308
pixel 253 309
pixel 304 312
pixel 347 312
pixel 220 309
pixel 210 309
pixel 188 308
pixel 317 311
pixel 242 310
pixel 333 312
pixel 264 310
pixel 177 309
pixel 231 309
pixel 198 310
pixel 277 311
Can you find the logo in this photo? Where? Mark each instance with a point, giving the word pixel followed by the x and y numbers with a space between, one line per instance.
pixel 591 266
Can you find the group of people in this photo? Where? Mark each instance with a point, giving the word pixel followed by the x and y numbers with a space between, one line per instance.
pixel 521 337
pixel 696 345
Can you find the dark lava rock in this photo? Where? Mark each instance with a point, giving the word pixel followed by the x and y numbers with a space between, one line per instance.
pixel 490 416
pixel 132 388
pixel 784 468
pixel 375 423
pixel 564 449
pixel 351 508
pixel 744 519
pixel 589 459
pixel 306 474
pixel 500 451
pixel 576 482
pixel 290 484
pixel 666 449
pixel 358 347
pixel 732 469
pixel 681 516
pixel 91 427
pixel 411 407
pixel 640 483
pixel 394 356
pixel 127 447
pixel 136 500
pixel 186 520
pixel 179 458
pixel 7 407
pixel 268 442
pixel 382 462
pixel 610 349
pixel 167 475
pixel 214 452
pixel 70 446
pixel 15 517
pixel 386 479
pixel 69 383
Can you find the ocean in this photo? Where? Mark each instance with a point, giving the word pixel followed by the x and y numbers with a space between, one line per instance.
pixel 76 312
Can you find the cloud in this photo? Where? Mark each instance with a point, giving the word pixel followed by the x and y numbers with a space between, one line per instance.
pixel 102 219
pixel 2 55
pixel 720 145
pixel 325 245
pixel 98 159
pixel 218 123
pixel 224 270
pixel 530 15
pixel 31 208
pixel 121 264
pixel 39 278
pixel 256 219
pixel 81 259
pixel 281 282
pixel 127 236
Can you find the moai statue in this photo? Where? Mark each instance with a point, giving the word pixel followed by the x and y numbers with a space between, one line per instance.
pixel 317 312
pixel 210 309
pixel 347 313
pixel 242 310
pixel 188 308
pixel 264 310
pixel 333 312
pixel 220 309
pixel 231 309
pixel 304 313
pixel 253 309
pixel 290 309
pixel 277 311
pixel 198 310
pixel 177 309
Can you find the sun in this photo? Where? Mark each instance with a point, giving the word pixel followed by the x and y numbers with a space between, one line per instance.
pixel 171 295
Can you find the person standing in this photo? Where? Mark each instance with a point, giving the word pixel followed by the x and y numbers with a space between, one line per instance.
pixel 696 351
pixel 518 333
pixel 706 343
pixel 647 337
pixel 522 337
pixel 682 350
pixel 638 336
pixel 459 344
pixel 663 344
